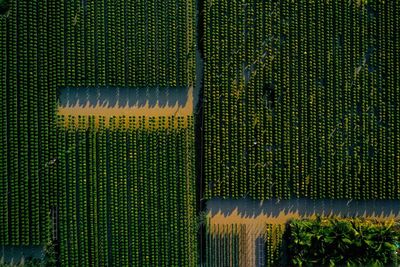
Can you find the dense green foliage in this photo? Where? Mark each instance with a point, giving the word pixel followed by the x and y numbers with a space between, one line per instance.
pixel 342 242
pixel 301 99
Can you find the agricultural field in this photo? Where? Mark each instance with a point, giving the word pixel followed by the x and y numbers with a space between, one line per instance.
pixel 234 245
pixel 137 132
pixel 301 99
pixel 247 232
pixel 126 193
pixel 113 189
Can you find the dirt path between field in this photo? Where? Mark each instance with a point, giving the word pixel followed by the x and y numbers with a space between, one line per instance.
pixel 137 102
pixel 274 211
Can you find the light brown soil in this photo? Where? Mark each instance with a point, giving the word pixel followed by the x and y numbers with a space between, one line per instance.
pixel 129 111
pixel 256 224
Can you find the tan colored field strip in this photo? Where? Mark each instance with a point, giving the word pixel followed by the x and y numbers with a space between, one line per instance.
pixel 256 224
pixel 129 111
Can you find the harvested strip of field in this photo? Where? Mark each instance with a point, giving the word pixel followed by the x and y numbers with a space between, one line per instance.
pixel 118 102
pixel 255 213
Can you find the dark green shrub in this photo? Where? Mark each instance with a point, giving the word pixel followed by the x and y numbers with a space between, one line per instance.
pixel 342 242
pixel 4 6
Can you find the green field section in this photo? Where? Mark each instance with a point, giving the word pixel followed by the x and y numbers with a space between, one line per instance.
pixel 47 45
pixel 319 241
pixel 126 194
pixel 122 122
pixel 301 99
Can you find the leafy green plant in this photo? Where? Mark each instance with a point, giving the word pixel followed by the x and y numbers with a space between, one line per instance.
pixel 342 242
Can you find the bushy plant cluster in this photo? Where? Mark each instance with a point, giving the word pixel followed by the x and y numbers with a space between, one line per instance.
pixel 342 242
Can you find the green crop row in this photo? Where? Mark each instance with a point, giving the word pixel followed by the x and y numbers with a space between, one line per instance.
pixel 4 196
pixel 126 193
pixel 223 245
pixel 300 99
pixel 273 244
pixel 27 102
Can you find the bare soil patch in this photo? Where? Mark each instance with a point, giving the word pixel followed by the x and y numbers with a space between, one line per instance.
pixel 149 108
